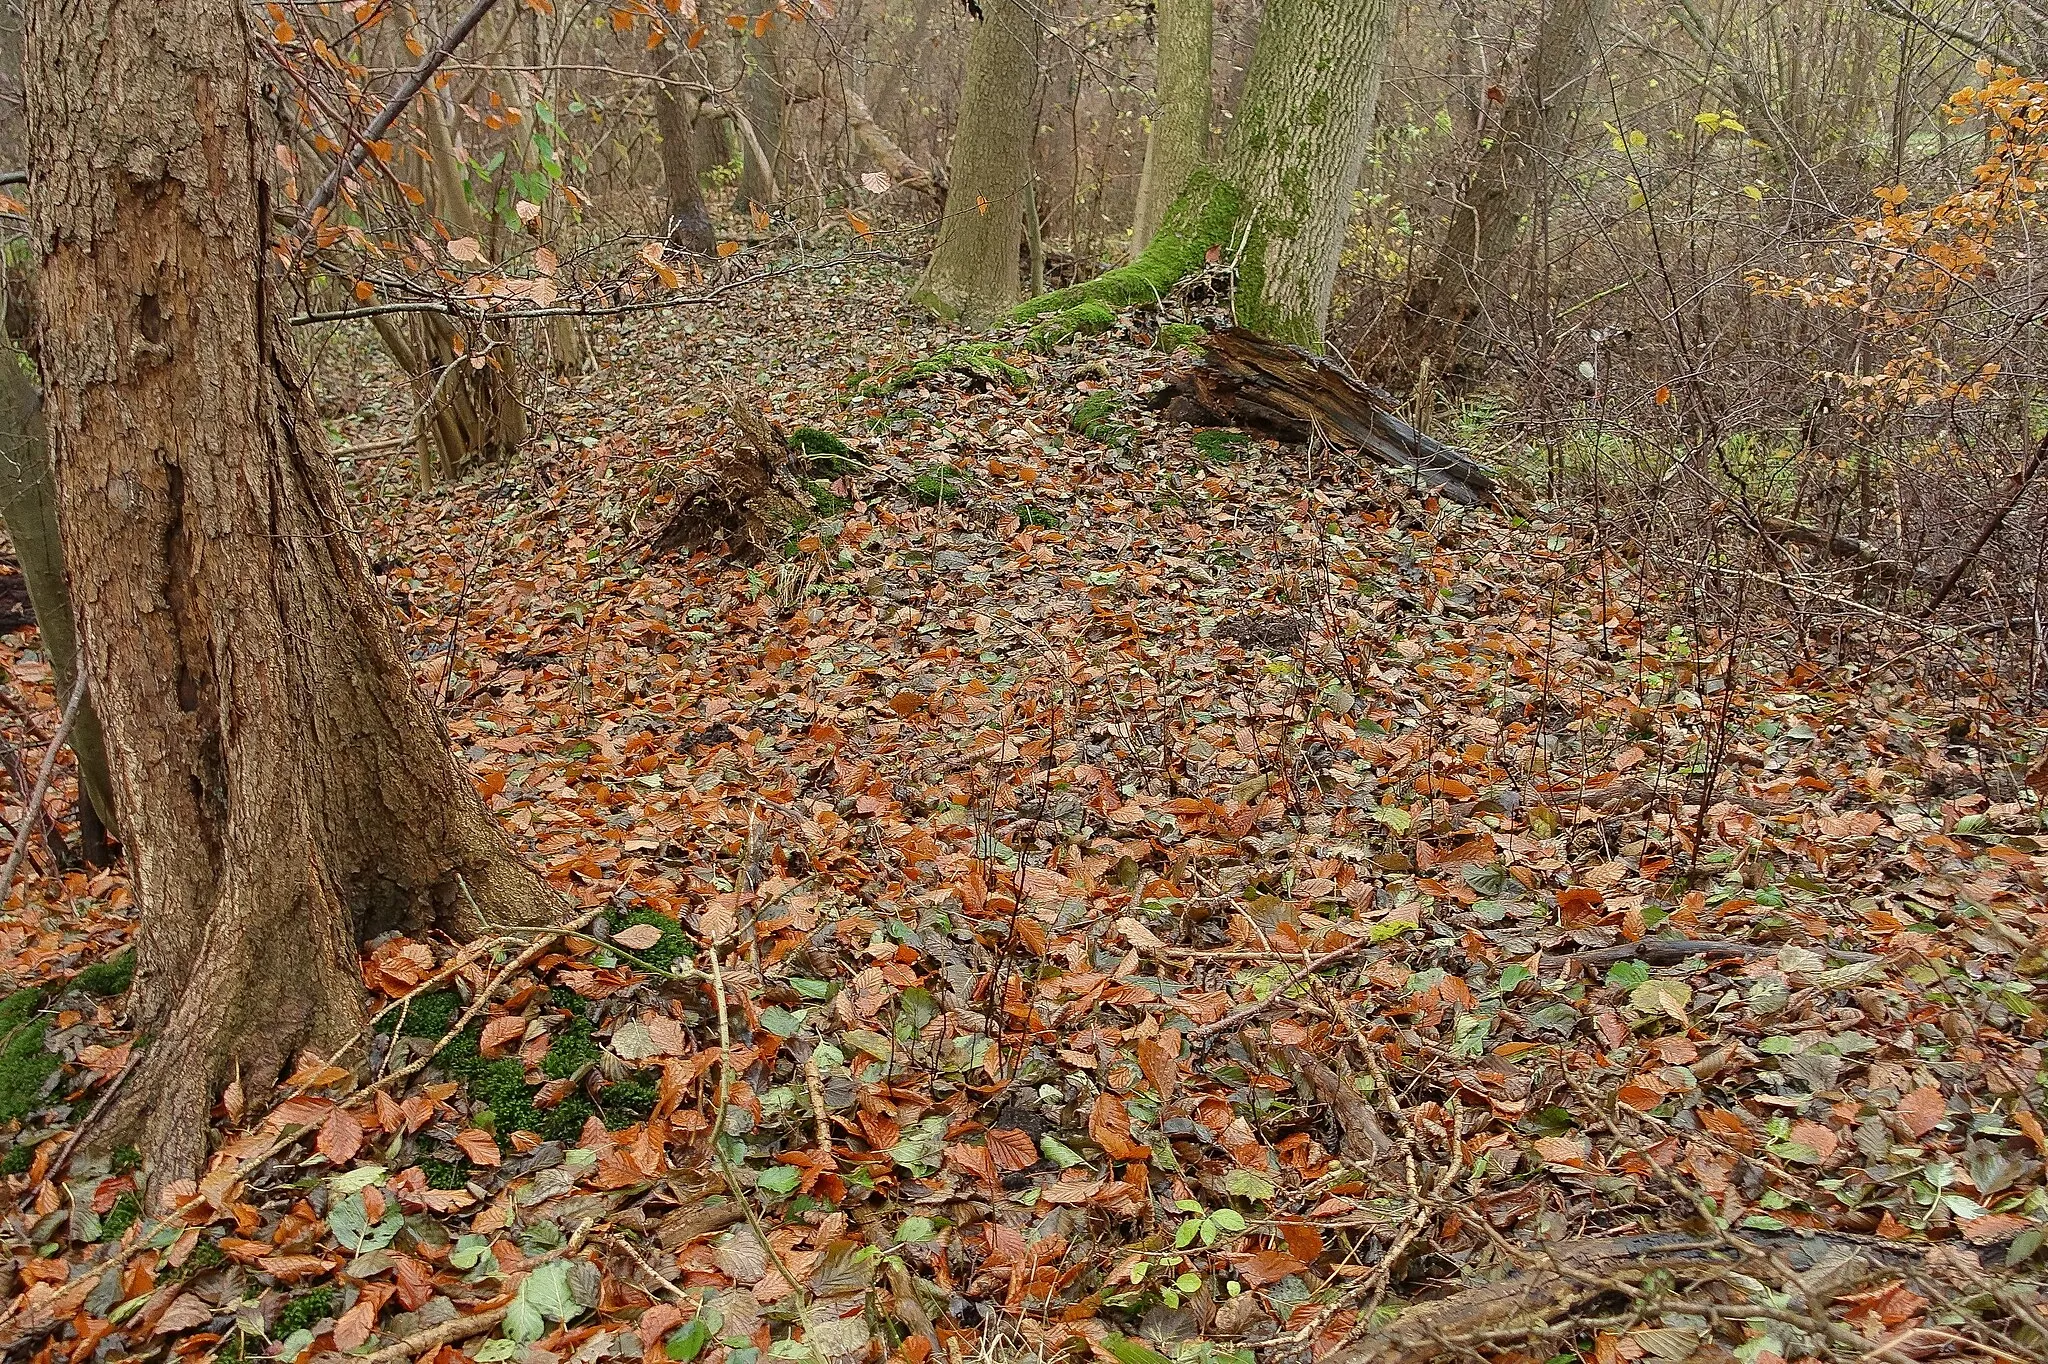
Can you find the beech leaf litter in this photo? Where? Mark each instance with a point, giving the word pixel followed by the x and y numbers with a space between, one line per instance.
pixel 1051 888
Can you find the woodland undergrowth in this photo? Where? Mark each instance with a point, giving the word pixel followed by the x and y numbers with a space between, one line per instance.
pixel 1164 894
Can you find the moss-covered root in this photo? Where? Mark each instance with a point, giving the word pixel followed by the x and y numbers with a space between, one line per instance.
pixel 980 359
pixel 1204 216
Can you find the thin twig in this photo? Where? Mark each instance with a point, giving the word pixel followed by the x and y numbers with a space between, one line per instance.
pixel 42 786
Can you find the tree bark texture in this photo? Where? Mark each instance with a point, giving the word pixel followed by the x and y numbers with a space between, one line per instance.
pixel 1446 302
pixel 284 790
pixel 759 119
pixel 1178 139
pixel 1293 154
pixel 28 505
pixel 972 276
pixel 689 221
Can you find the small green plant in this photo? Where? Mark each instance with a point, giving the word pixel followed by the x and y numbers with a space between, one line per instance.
pixel 1039 518
pixel 938 485
pixel 1206 1227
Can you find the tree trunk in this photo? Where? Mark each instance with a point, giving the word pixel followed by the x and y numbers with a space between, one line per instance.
pixel 689 221
pixel 284 789
pixel 972 276
pixel 1178 140
pixel 28 504
pixel 758 116
pixel 1279 202
pixel 1527 140
pixel 1294 151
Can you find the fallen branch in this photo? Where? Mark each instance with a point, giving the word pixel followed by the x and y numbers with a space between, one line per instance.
pixel 1282 391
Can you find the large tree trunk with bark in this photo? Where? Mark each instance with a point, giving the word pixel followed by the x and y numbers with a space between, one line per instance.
pixel 1178 140
pixel 689 221
pixel 1294 151
pixel 972 275
pixel 1278 202
pixel 1447 300
pixel 758 117
pixel 284 790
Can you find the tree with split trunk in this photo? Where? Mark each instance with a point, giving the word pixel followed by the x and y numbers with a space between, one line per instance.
pixel 284 790
pixel 1177 140
pixel 972 276
pixel 1445 308
pixel 1276 204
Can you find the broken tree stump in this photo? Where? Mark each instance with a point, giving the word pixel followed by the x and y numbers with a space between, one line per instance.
pixel 1272 389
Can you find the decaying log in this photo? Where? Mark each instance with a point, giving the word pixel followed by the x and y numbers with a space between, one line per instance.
pixel 1277 390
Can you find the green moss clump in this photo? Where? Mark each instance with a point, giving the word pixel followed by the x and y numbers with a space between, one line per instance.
pixel 302 1310
pixel 443 1174
pixel 1174 335
pixel 627 1101
pixel 107 978
pixel 824 499
pixel 126 1159
pixel 18 1160
pixel 430 1015
pixel 1096 419
pixel 938 485
pixel 675 944
pixel 500 1085
pixel 1220 446
pixel 1204 216
pixel 125 1213
pixel 976 358
pixel 25 1065
pixel 1039 518
pixel 826 454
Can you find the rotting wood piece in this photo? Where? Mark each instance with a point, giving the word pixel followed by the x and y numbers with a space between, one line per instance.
pixel 1273 389
pixel 739 494
pixel 1581 1273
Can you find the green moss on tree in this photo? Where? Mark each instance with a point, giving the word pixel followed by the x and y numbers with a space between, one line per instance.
pixel 1204 216
pixel 25 1065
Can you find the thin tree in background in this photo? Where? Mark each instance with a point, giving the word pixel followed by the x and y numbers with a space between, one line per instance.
pixel 284 790
pixel 1177 139
pixel 1514 152
pixel 973 272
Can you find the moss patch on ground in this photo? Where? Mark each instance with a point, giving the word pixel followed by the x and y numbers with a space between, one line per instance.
pixel 978 358
pixel 1220 446
pixel 825 454
pixel 107 978
pixel 25 1065
pixel 938 485
pixel 1039 518
pixel 1096 418
pixel 500 1083
pixel 304 1309
pixel 1174 335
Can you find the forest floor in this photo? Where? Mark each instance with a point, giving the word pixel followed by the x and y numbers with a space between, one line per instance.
pixel 1175 894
